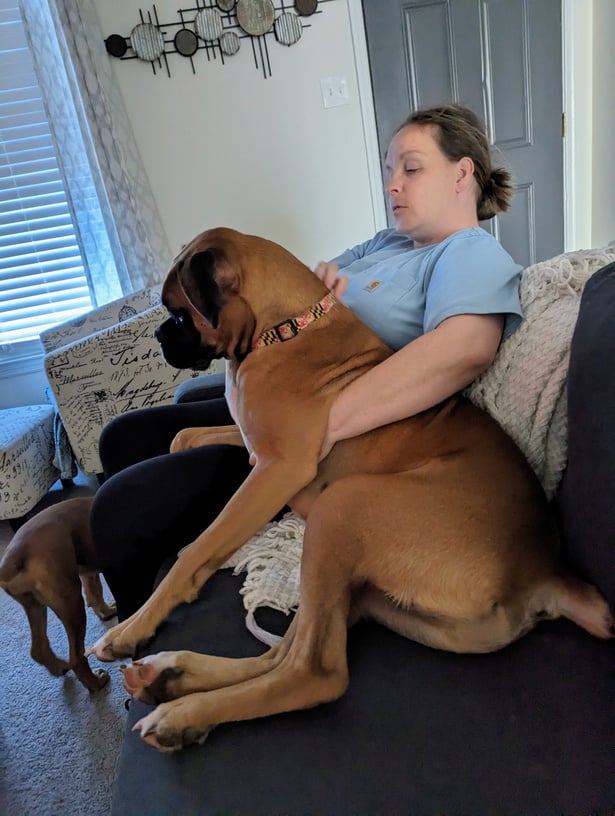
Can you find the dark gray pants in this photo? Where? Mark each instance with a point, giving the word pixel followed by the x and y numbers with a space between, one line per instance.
pixel 153 503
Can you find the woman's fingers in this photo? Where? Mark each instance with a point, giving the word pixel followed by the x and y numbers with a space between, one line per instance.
pixel 329 275
pixel 327 272
pixel 340 285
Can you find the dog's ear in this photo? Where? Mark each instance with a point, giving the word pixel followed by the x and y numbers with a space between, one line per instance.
pixel 212 287
pixel 235 330
pixel 196 276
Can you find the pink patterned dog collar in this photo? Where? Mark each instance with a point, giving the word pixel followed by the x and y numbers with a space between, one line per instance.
pixel 290 328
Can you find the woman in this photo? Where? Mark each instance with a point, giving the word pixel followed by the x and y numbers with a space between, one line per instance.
pixel 438 289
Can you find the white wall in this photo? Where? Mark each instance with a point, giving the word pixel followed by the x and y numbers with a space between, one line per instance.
pixel 578 72
pixel 603 120
pixel 589 97
pixel 227 147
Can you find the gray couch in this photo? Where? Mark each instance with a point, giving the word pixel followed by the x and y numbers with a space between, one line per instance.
pixel 526 731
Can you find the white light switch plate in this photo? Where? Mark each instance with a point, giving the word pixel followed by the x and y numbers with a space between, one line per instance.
pixel 334 91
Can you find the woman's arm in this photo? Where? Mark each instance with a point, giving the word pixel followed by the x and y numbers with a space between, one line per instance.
pixel 417 377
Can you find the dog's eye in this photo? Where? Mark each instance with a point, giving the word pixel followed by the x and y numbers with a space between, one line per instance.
pixel 179 317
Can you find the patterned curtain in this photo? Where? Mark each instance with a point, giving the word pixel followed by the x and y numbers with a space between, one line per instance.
pixel 124 245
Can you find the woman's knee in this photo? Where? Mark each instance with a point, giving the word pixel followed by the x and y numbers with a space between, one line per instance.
pixel 148 432
pixel 165 501
pixel 124 441
pixel 146 513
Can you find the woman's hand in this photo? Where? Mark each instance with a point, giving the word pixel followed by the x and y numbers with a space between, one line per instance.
pixel 329 275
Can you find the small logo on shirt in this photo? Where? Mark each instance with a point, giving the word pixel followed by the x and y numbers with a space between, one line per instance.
pixel 371 286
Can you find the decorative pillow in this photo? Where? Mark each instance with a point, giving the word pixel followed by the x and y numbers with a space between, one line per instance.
pixel 587 495
pixel 524 389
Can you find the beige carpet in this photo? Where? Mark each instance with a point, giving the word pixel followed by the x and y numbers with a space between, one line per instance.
pixel 59 744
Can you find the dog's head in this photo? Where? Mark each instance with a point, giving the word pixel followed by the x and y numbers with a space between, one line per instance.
pixel 223 290
pixel 209 318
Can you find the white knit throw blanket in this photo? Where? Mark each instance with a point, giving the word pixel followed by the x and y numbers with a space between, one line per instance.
pixel 524 390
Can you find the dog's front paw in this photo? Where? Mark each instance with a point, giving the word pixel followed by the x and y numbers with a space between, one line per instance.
pixel 175 725
pixel 117 643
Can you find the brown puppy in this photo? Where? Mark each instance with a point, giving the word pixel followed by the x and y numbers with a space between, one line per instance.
pixel 42 567
pixel 435 526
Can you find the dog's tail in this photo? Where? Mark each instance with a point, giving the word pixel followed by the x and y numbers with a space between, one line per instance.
pixel 569 597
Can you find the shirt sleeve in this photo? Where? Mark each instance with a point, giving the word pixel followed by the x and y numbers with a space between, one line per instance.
pixel 474 275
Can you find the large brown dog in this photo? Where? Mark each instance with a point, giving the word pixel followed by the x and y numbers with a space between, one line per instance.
pixel 42 567
pixel 434 526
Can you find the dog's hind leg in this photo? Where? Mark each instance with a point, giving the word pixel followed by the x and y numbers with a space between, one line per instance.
pixel 569 597
pixel 557 597
pixel 40 650
pixel 495 630
pixel 94 598
pixel 201 437
pixel 68 606
pixel 168 675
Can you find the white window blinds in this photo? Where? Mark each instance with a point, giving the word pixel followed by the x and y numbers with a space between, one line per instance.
pixel 42 277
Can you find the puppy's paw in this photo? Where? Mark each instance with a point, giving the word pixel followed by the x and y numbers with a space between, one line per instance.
pixel 106 611
pixel 99 680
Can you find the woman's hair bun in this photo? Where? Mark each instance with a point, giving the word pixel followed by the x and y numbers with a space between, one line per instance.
pixel 496 193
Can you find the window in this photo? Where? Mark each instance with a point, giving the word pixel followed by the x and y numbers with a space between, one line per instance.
pixel 42 276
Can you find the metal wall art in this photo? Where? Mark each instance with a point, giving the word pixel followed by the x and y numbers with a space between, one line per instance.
pixel 216 27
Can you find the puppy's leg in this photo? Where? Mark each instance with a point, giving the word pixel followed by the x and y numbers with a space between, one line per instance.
pixel 40 650
pixel 93 591
pixel 69 607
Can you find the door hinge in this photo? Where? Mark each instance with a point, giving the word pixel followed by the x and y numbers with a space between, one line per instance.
pixel 563 124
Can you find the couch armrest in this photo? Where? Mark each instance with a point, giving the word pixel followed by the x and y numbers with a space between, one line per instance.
pixel 109 373
pixel 586 505
pixel 203 387
pixel 104 317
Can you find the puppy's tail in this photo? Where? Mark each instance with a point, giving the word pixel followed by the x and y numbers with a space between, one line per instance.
pixel 568 597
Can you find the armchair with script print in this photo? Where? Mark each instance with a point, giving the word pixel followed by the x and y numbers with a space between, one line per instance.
pixel 114 369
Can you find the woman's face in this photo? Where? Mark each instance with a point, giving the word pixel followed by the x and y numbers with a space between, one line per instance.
pixel 428 193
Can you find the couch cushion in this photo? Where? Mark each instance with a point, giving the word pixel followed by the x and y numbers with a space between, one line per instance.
pixel 525 730
pixel 587 495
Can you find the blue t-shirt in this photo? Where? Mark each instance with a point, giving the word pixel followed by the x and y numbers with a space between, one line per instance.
pixel 401 292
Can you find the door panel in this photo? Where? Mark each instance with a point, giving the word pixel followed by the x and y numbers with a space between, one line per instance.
pixel 427 39
pixel 502 58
